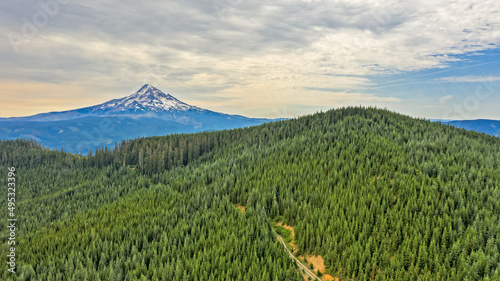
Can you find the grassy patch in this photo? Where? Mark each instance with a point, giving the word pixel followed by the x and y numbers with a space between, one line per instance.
pixel 286 234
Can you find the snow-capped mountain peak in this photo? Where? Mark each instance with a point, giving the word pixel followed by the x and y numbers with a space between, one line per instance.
pixel 150 92
pixel 147 99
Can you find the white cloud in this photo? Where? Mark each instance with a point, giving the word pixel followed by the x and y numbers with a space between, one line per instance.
pixel 445 99
pixel 469 79
pixel 254 50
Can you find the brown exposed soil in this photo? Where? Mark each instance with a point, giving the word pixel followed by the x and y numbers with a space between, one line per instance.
pixel 241 208
pixel 317 261
pixel 319 264
pixel 294 247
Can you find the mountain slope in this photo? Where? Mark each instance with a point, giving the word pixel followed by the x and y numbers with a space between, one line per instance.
pixel 378 195
pixel 490 127
pixel 148 101
pixel 148 112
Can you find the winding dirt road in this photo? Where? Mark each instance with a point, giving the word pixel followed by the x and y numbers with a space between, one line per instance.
pixel 299 263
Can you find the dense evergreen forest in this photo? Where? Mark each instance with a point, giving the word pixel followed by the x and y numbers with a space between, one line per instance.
pixel 380 196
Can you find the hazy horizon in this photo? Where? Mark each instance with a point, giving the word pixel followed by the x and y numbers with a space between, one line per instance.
pixel 90 105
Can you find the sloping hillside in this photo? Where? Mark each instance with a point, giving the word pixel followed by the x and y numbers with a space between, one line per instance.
pixel 379 196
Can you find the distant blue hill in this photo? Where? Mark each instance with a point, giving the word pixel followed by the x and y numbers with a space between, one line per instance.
pixel 148 112
pixel 490 127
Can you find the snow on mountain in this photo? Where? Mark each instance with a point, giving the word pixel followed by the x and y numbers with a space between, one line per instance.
pixel 147 112
pixel 147 102
pixel 147 99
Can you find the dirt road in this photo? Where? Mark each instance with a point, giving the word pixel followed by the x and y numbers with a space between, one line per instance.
pixel 299 263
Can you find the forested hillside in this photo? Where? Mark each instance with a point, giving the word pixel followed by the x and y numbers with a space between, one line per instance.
pixel 378 195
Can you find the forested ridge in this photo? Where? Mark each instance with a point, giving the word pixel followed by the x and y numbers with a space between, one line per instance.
pixel 380 196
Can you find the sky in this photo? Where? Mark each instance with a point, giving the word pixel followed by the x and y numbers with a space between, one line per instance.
pixel 258 58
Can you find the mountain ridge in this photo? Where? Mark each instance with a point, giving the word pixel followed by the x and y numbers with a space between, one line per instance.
pixel 487 126
pixel 147 112
pixel 377 195
pixel 148 99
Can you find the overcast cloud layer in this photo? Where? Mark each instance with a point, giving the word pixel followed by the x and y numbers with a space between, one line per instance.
pixel 265 58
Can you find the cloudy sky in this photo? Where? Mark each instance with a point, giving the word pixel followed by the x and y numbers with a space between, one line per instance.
pixel 260 58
